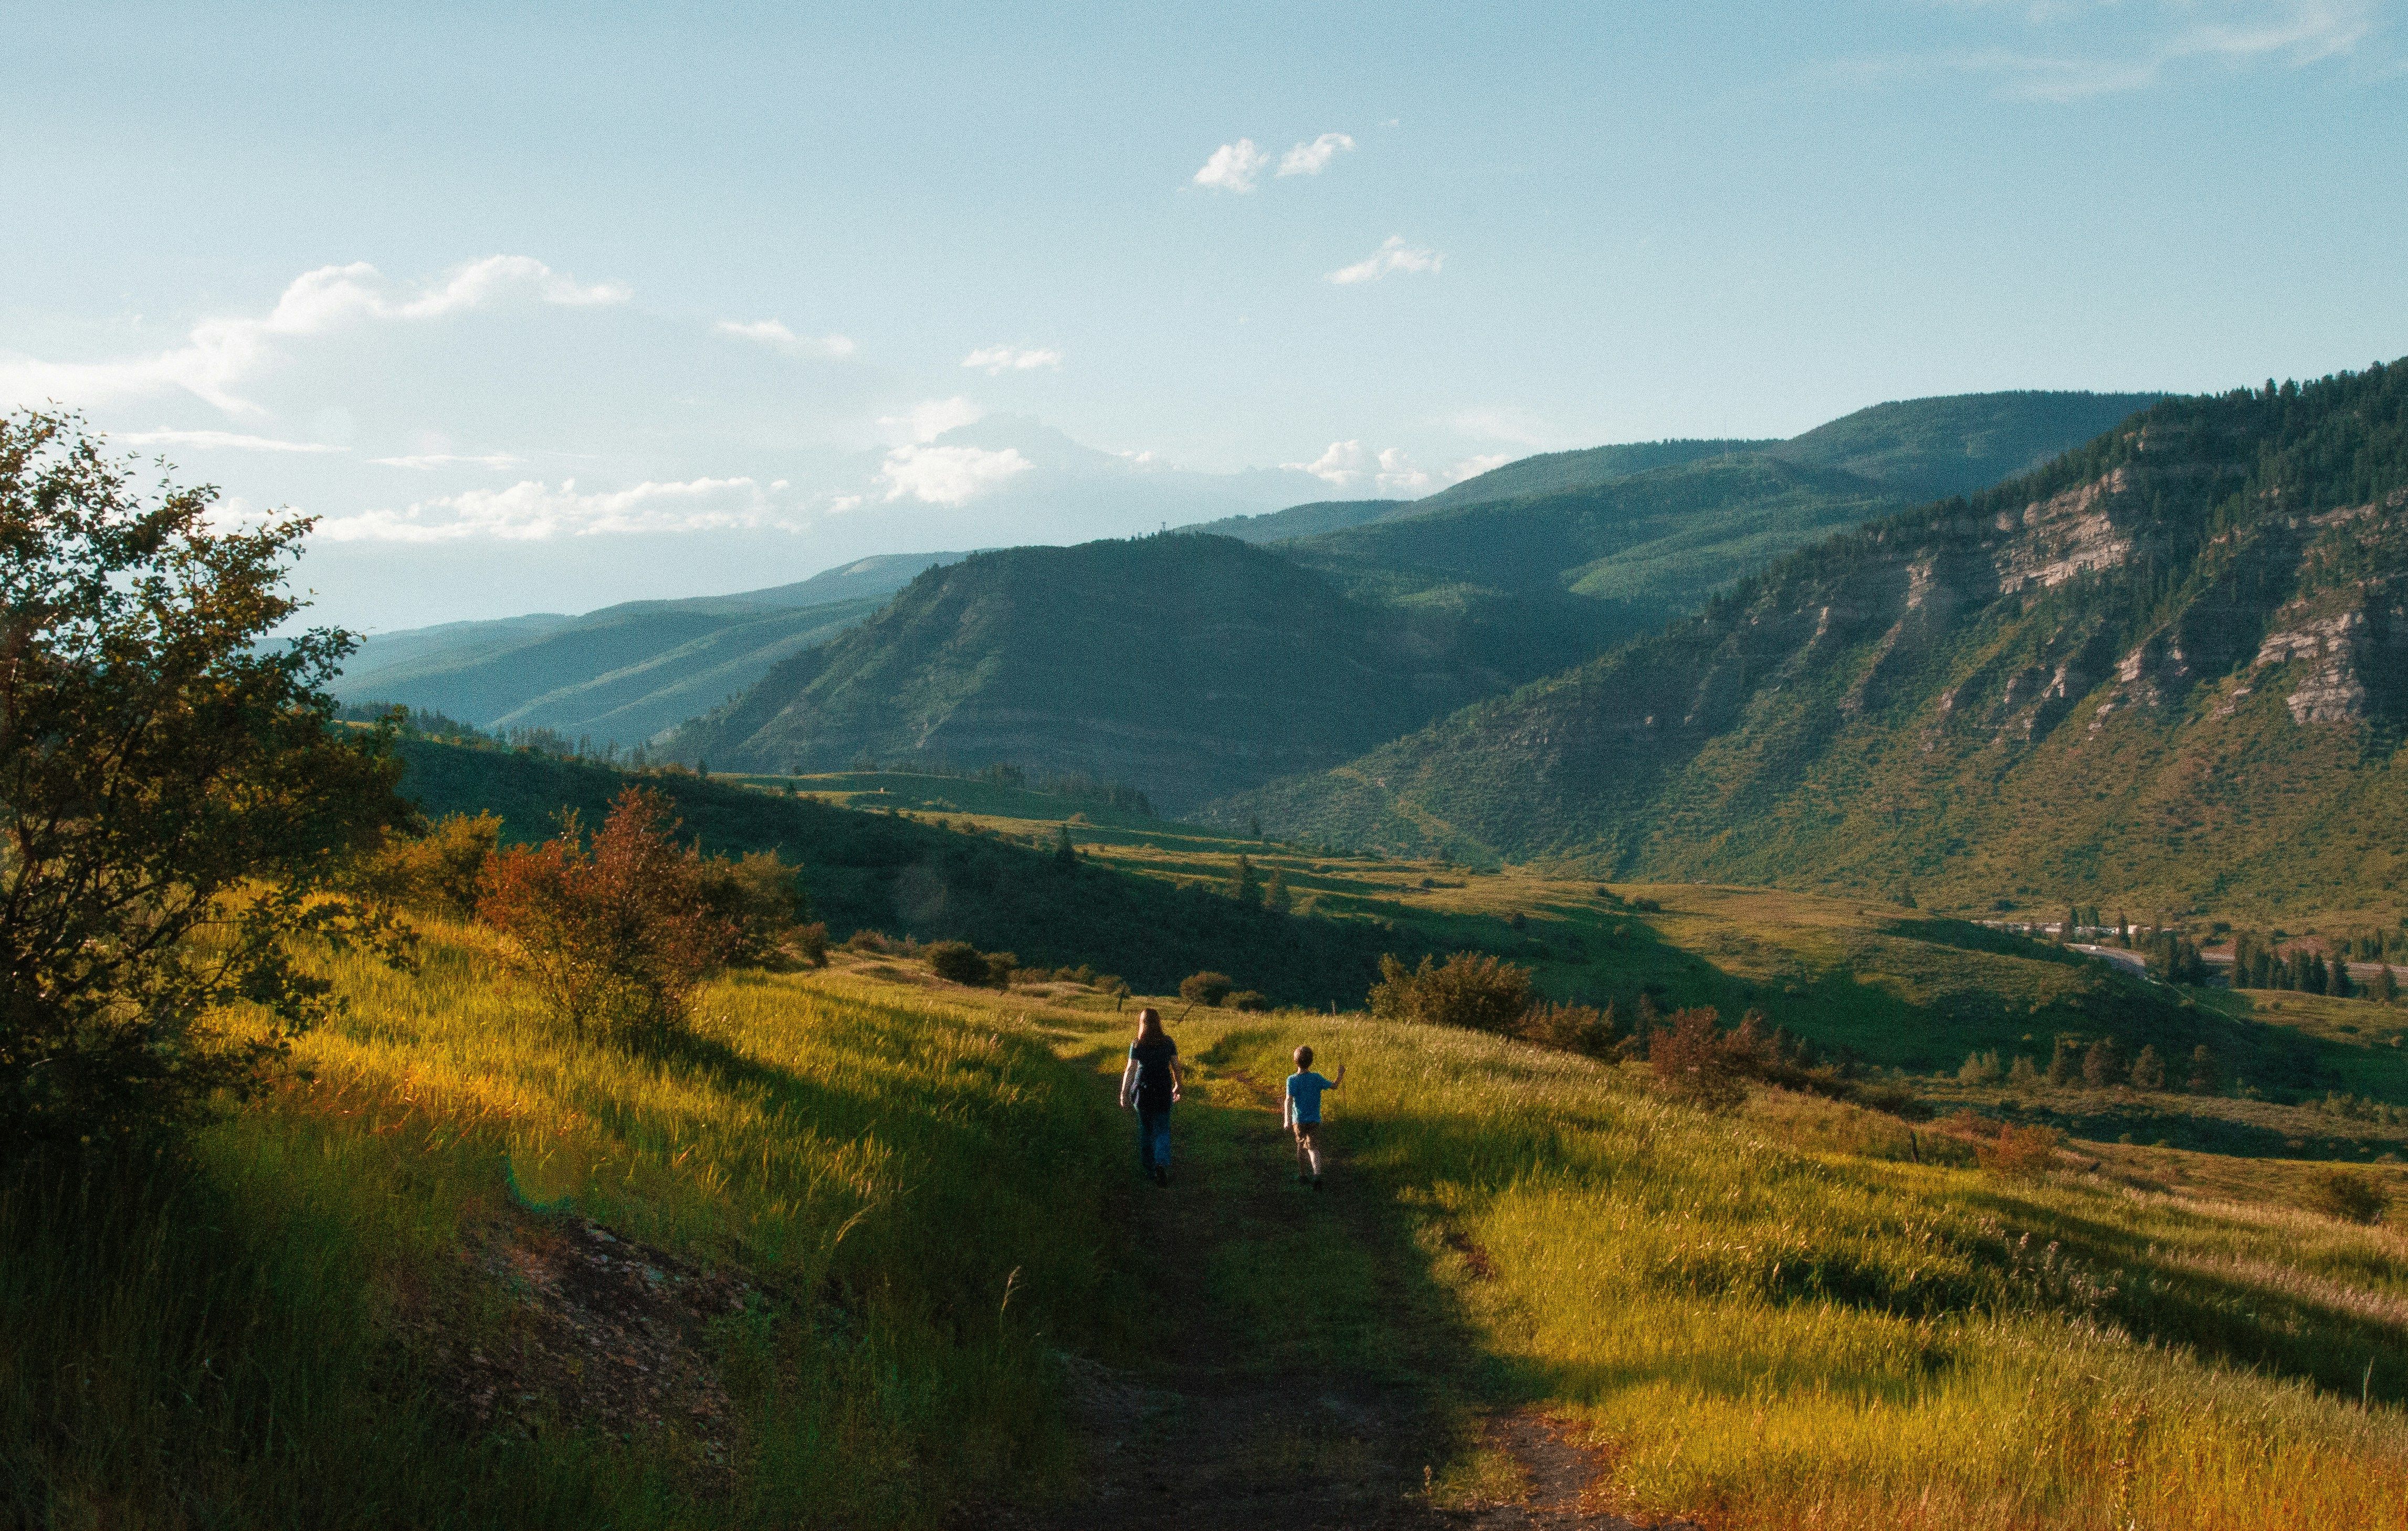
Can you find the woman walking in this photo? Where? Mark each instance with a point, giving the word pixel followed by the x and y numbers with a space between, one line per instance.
pixel 1150 1083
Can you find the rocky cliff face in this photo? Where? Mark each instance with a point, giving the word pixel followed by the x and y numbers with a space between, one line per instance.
pixel 2174 660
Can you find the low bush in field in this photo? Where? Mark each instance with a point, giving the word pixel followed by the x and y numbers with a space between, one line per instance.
pixel 1471 989
pixel 1207 988
pixel 2351 1195
pixel 2020 1152
pixel 1248 1001
pixel 957 962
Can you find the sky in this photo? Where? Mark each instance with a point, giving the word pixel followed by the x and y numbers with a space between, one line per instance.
pixel 545 308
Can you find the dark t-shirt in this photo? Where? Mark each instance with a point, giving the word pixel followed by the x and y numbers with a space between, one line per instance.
pixel 1153 1060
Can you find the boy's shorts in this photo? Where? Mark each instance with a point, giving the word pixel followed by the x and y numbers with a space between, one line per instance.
pixel 1307 1129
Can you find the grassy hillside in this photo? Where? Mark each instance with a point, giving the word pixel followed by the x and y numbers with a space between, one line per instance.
pixel 1962 444
pixel 861 1252
pixel 1896 987
pixel 1184 664
pixel 1004 892
pixel 2164 671
pixel 624 673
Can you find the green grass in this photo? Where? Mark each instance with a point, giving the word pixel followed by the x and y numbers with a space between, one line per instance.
pixel 1762 1320
pixel 227 1344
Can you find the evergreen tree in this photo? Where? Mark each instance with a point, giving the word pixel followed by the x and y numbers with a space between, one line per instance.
pixel 2064 1063
pixel 2387 988
pixel 2206 1076
pixel 2070 930
pixel 2100 1067
pixel 2337 978
pixel 2149 1070
pixel 1066 853
pixel 1244 885
pixel 2021 1074
pixel 2317 978
pixel 1275 895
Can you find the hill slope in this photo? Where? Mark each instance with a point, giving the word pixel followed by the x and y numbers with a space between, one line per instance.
pixel 626 672
pixel 2171 667
pixel 1187 665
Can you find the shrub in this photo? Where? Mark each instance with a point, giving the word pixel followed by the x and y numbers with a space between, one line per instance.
pixel 617 938
pixel 760 899
pixel 958 962
pixel 2020 1152
pixel 1249 1001
pixel 2206 1074
pixel 1000 966
pixel 2349 1194
pixel 1573 1028
pixel 1696 1062
pixel 1473 988
pixel 437 871
pixel 1206 988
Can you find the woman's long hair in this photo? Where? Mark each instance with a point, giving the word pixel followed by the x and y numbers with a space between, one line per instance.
pixel 1149 1025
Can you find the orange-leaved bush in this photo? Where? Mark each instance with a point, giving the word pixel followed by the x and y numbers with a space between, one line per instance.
pixel 616 938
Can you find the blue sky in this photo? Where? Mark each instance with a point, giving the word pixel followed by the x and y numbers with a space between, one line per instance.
pixel 543 308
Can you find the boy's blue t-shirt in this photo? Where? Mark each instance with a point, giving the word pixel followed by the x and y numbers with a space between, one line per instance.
pixel 1304 1095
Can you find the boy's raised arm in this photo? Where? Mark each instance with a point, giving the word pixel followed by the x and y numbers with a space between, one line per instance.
pixel 1340 1078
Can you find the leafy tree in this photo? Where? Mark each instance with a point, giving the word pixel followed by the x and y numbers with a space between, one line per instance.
pixel 1066 851
pixel 1572 1028
pixel 2206 1074
pixel 2101 1066
pixel 1207 988
pixel 616 939
pixel 177 804
pixel 1473 988
pixel 1248 1001
pixel 2149 1070
pixel 1000 966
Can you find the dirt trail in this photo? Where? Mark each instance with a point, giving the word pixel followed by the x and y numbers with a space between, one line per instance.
pixel 1308 1371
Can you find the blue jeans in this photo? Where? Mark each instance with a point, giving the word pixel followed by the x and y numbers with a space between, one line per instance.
pixel 1153 1139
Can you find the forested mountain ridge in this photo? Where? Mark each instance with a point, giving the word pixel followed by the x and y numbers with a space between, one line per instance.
pixel 2171 665
pixel 1187 664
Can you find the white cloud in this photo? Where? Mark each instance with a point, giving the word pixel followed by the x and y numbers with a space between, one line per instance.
pixel 774 334
pixel 1311 159
pixel 923 422
pixel 1389 471
pixel 533 510
pixel 996 360
pixel 220 353
pixel 446 459
pixel 229 440
pixel 1233 168
pixel 950 475
pixel 1394 254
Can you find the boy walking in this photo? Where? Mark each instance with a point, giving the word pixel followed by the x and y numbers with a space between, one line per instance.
pixel 1302 1113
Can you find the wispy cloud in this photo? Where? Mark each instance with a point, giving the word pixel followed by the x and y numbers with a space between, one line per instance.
pixel 923 422
pixel 1394 254
pixel 948 476
pixel 447 458
pixel 533 511
pixel 221 353
pixel 774 334
pixel 1312 158
pixel 1233 168
pixel 2071 52
pixel 996 360
pixel 216 440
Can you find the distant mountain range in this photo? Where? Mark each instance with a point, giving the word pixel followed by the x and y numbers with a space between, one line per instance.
pixel 1413 606
pixel 2170 668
